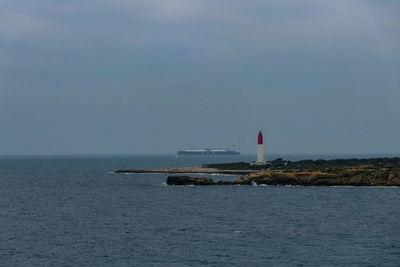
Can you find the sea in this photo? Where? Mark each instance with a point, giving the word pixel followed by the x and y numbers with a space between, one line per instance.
pixel 74 211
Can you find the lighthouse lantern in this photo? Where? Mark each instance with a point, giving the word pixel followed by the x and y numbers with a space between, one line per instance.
pixel 260 148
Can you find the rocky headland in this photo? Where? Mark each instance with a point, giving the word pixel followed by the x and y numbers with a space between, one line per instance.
pixel 335 172
pixel 345 176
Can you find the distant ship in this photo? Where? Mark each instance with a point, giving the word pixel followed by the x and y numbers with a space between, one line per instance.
pixel 207 152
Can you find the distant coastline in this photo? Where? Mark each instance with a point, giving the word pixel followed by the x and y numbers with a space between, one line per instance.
pixel 189 170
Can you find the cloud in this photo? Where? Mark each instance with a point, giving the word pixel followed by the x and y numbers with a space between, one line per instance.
pixel 22 26
pixel 308 21
pixel 175 8
pixel 142 61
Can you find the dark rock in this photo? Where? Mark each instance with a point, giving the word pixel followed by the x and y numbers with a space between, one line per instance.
pixel 225 183
pixel 187 180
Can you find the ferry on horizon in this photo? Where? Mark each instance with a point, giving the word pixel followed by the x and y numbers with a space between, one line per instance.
pixel 207 152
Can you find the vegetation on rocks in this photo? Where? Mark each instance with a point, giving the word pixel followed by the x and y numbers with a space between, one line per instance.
pixel 368 175
pixel 280 164
pixel 350 176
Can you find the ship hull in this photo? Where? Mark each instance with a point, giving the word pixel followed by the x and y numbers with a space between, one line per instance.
pixel 208 153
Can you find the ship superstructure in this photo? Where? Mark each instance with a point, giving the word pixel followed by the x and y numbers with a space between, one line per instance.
pixel 207 152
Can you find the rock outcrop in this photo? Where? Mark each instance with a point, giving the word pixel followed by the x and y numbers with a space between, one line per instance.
pixel 187 180
pixel 351 176
pixel 357 176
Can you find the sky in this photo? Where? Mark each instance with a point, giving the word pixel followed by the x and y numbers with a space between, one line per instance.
pixel 157 76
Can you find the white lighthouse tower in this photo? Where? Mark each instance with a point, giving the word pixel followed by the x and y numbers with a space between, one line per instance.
pixel 260 154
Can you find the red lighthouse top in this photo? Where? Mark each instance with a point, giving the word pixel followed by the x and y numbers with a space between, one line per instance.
pixel 260 138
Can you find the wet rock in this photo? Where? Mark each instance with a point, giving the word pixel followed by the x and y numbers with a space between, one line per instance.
pixel 225 183
pixel 187 180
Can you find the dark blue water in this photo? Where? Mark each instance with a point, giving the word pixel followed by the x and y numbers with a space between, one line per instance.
pixel 71 211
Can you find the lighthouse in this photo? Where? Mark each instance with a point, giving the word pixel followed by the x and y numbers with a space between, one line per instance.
pixel 260 154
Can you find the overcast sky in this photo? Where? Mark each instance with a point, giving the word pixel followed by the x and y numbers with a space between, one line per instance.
pixel 155 76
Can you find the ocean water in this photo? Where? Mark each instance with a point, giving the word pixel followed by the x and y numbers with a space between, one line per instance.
pixel 72 211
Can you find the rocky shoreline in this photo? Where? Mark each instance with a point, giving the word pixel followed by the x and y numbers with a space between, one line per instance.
pixel 337 172
pixel 347 176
